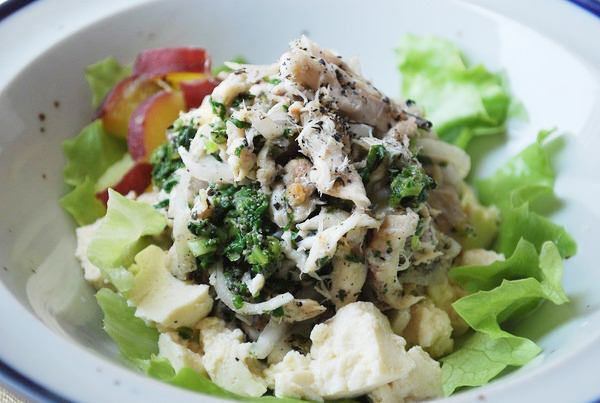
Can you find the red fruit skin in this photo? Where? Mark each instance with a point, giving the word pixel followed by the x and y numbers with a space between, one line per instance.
pixel 110 99
pixel 137 179
pixel 122 100
pixel 149 122
pixel 195 91
pixel 156 62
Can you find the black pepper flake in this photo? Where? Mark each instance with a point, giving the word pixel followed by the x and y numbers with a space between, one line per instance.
pixel 41 117
pixel 56 104
pixel 44 176
pixel 424 124
pixel 322 62
pixel 410 102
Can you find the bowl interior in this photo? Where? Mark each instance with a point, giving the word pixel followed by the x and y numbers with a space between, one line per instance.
pixel 49 101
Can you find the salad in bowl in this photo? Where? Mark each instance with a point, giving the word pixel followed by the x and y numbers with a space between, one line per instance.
pixel 288 231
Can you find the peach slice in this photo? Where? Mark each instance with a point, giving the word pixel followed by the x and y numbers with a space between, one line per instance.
pixel 122 101
pixel 157 62
pixel 137 179
pixel 195 91
pixel 149 122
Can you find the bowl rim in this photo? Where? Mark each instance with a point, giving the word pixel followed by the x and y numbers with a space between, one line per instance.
pixel 25 386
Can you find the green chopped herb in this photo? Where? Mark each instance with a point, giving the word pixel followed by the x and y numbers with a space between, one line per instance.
pixel 210 146
pixel 162 204
pixel 240 124
pixel 324 261
pixel 273 80
pixel 278 312
pixel 354 258
pixel 415 243
pixel 238 150
pixel 410 186
pixel 185 333
pixel 218 108
pixel 375 156
pixel 218 133
pixel 245 96
pixel 238 302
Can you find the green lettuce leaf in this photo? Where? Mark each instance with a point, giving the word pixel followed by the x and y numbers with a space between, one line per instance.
pixel 103 76
pixel 114 173
pixel 491 349
pixel 462 101
pixel 523 263
pixel 521 222
pixel 525 178
pixel 82 204
pixel 135 339
pixel 121 232
pixel 223 68
pixel 91 153
pixel 481 358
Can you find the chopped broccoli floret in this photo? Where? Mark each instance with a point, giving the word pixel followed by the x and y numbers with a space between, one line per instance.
pixel 165 160
pixel 410 186
pixel 237 232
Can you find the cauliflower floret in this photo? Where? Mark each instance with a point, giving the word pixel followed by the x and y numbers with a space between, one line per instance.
pixel 171 347
pixel 423 382
pixel 227 359
pixel 162 298
pixel 356 352
pixel 91 273
pixel 293 378
pixel 430 328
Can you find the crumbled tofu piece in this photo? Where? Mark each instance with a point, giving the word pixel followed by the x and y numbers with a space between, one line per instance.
pixel 443 296
pixel 482 257
pixel 399 318
pixel 355 352
pixel 423 382
pixel 227 359
pixel 91 273
pixel 171 347
pixel 430 328
pixel 162 298
pixel 293 378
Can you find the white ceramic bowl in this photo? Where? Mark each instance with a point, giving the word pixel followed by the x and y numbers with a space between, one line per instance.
pixel 51 344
